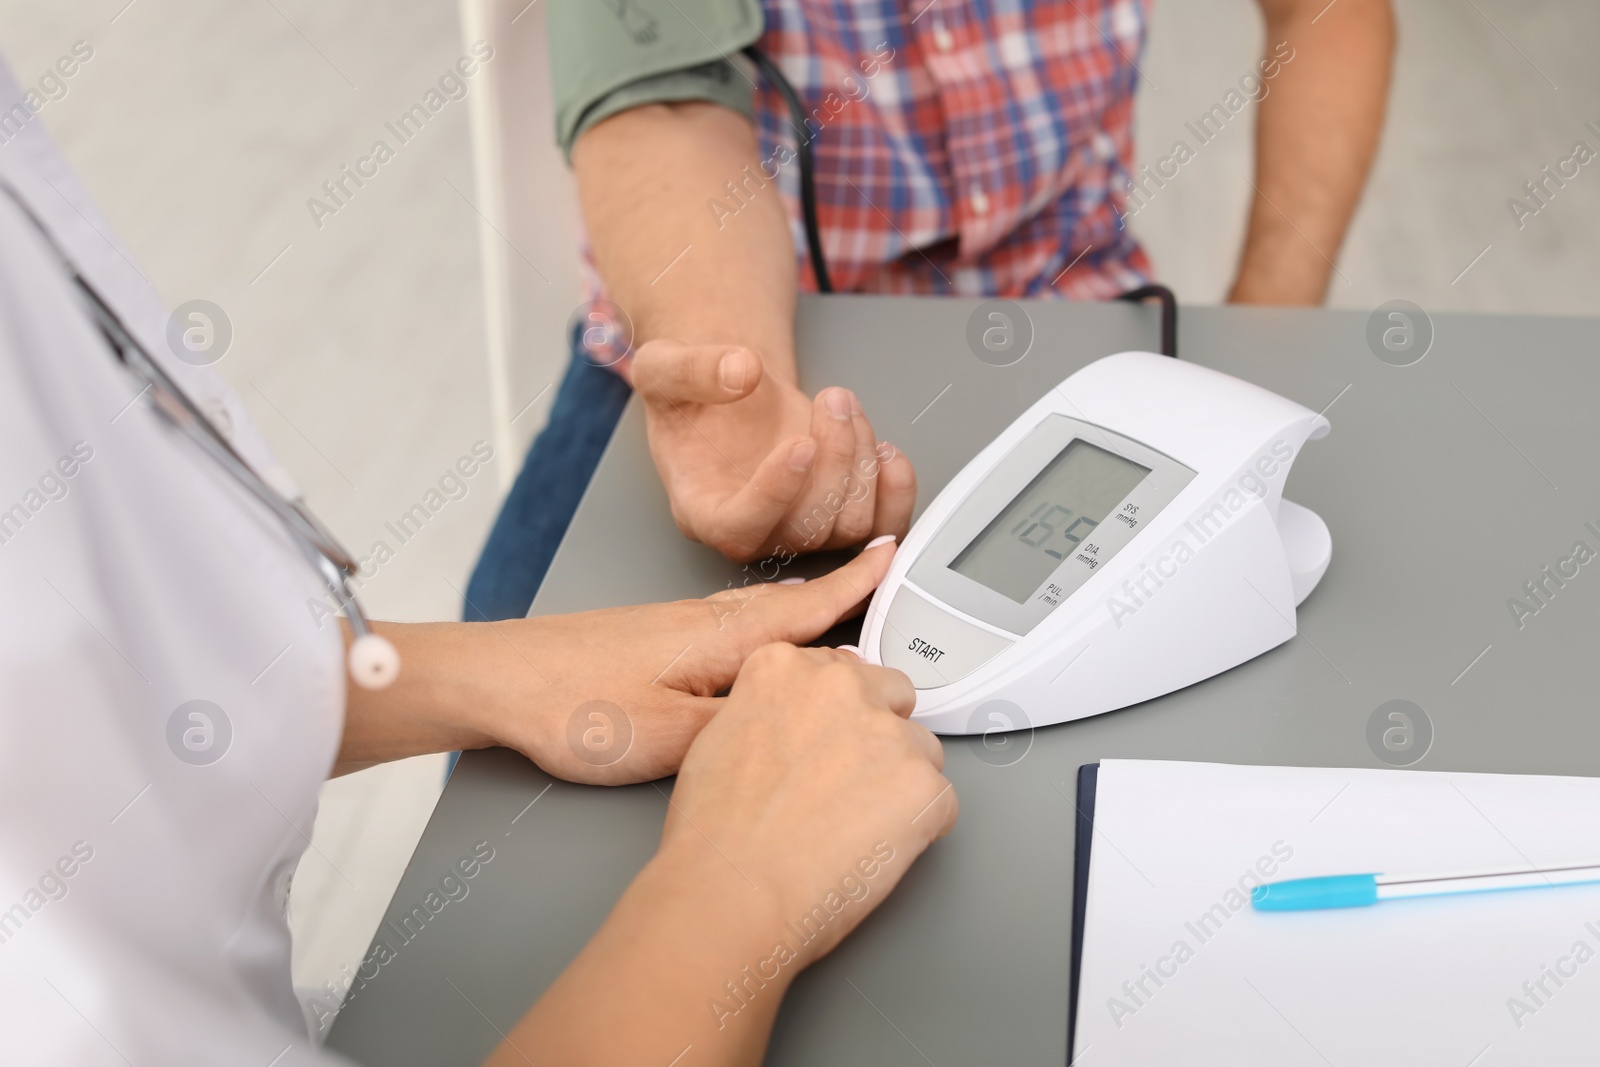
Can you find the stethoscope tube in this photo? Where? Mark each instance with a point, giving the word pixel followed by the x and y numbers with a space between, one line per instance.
pixel 808 183
pixel 373 661
pixel 808 205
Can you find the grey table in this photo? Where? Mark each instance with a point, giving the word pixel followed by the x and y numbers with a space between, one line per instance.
pixel 1447 485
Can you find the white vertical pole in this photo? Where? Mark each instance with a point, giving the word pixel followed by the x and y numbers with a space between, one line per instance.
pixel 479 22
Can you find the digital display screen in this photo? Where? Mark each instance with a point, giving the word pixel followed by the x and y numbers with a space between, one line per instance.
pixel 1044 524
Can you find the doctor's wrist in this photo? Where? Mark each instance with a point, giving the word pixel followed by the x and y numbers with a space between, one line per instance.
pixel 436 704
pixel 681 957
pixel 692 883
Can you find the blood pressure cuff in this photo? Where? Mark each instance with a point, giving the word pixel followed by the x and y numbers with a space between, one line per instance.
pixel 607 56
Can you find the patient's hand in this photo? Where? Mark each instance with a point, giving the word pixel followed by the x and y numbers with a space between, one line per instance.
pixel 753 466
pixel 616 696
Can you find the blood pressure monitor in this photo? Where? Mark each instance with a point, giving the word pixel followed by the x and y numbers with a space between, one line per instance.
pixel 1126 537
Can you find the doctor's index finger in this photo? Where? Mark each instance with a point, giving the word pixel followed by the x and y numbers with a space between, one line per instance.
pixel 892 689
pixel 801 613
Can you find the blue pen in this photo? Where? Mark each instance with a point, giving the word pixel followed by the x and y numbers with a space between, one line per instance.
pixel 1360 890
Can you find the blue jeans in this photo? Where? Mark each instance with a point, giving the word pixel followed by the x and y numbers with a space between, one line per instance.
pixel 539 508
pixel 536 513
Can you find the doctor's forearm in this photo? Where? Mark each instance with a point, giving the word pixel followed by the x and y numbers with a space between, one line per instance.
pixel 644 989
pixel 651 181
pixel 1316 134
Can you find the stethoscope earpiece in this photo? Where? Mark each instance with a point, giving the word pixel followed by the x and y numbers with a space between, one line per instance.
pixel 374 662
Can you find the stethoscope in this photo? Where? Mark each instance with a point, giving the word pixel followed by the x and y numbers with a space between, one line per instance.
pixel 804 136
pixel 373 661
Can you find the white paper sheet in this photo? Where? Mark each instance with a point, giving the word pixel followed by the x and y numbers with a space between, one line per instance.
pixel 1178 968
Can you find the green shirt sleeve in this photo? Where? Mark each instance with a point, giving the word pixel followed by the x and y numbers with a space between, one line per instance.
pixel 610 55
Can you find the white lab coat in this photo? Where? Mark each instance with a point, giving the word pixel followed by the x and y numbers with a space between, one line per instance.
pixel 143 896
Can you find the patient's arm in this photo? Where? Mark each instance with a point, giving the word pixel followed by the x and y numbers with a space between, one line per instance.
pixel 1316 134
pixel 749 460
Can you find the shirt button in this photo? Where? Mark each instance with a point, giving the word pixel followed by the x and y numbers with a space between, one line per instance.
pixel 942 40
pixel 979 201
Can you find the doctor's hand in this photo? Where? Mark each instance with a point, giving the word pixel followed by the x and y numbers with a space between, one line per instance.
pixel 603 697
pixel 812 783
pixel 797 811
pixel 754 467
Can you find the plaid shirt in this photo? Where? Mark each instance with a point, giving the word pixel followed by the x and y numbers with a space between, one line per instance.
pixel 980 147
pixel 977 147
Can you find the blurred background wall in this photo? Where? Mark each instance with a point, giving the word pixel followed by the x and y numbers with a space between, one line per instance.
pixel 373 353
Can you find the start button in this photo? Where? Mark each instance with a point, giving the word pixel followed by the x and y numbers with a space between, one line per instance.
pixel 932 646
